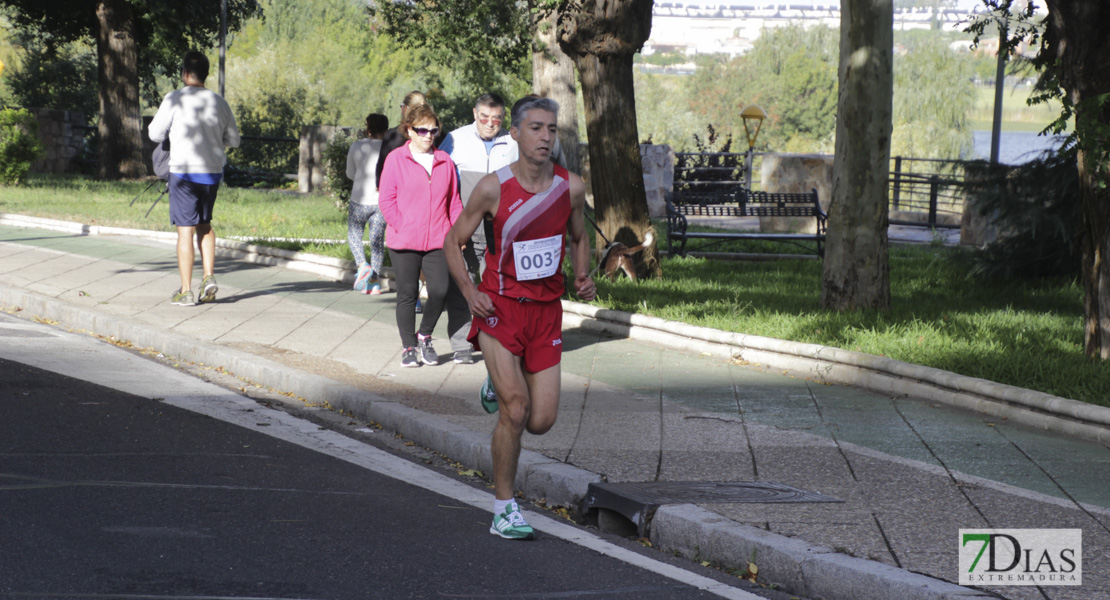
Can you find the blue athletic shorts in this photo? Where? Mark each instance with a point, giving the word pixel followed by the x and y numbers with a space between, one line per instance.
pixel 191 202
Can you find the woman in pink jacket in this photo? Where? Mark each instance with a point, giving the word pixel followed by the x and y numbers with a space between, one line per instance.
pixel 419 197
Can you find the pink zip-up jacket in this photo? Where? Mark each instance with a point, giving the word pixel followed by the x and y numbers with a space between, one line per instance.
pixel 418 208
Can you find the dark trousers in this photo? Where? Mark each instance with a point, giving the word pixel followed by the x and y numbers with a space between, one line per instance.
pixel 442 293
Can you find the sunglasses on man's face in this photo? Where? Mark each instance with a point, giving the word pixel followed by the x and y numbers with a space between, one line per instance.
pixel 425 132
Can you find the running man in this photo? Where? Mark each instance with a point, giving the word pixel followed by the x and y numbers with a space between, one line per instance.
pixel 530 208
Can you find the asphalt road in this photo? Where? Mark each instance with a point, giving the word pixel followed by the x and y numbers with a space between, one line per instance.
pixel 105 494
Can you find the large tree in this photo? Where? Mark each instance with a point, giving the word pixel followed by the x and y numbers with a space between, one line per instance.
pixel 553 77
pixel 1076 45
pixel 1074 57
pixel 601 36
pixel 856 267
pixel 133 39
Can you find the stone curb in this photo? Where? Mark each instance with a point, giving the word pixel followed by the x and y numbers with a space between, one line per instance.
pixel 821 363
pixel 876 373
pixel 805 569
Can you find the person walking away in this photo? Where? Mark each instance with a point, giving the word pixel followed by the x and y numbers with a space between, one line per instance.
pixel 478 148
pixel 535 206
pixel 419 197
pixel 200 127
pixel 362 208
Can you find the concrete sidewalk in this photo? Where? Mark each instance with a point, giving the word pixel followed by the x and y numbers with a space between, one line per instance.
pixel 910 472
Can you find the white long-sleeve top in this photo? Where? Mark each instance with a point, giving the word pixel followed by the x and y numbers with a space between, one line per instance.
pixel 362 168
pixel 200 126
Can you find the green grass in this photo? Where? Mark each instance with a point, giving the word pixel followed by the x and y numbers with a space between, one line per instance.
pixel 1027 335
pixel 242 213
pixel 1019 334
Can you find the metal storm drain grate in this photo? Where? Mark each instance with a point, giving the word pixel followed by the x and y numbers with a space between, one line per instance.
pixel 638 501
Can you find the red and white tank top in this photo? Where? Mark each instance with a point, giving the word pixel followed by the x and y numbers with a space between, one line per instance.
pixel 524 258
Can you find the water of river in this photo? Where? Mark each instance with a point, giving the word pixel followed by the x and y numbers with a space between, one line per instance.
pixel 1014 147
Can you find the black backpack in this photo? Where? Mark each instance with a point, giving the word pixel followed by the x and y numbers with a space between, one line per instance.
pixel 161 159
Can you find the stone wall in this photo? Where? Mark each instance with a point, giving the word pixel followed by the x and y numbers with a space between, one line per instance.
pixel 796 173
pixel 310 167
pixel 63 134
pixel 657 161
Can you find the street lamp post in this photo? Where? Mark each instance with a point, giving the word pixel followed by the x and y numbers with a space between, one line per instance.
pixel 223 43
pixel 752 116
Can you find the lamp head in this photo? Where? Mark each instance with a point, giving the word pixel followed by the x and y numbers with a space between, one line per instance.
pixel 752 114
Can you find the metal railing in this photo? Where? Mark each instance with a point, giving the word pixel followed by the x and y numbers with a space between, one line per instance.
pixel 930 187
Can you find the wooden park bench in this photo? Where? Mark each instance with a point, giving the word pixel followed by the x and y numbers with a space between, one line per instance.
pixel 740 202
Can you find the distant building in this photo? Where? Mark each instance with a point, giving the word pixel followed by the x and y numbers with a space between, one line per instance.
pixel 703 27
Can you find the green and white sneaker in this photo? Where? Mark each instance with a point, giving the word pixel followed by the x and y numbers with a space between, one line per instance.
pixel 183 298
pixel 488 396
pixel 208 289
pixel 511 524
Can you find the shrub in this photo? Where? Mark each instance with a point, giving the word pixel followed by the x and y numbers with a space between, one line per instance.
pixel 712 161
pixel 335 168
pixel 1036 210
pixel 19 144
pixel 58 75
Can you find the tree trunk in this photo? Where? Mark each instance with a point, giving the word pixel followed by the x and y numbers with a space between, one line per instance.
pixel 118 79
pixel 601 36
pixel 1075 37
pixel 856 269
pixel 553 77
pixel 1095 242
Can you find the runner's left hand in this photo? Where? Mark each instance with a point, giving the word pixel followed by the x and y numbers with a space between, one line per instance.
pixel 585 288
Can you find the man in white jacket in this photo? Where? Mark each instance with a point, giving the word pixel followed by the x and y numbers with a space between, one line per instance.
pixel 200 126
pixel 478 148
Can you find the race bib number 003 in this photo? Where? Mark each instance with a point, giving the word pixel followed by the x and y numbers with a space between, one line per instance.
pixel 536 259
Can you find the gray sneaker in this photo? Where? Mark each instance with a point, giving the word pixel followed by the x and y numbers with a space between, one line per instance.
pixel 409 358
pixel 427 352
pixel 183 298
pixel 464 357
pixel 208 289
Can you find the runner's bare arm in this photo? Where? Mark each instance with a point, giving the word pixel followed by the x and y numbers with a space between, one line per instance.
pixel 483 201
pixel 579 244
